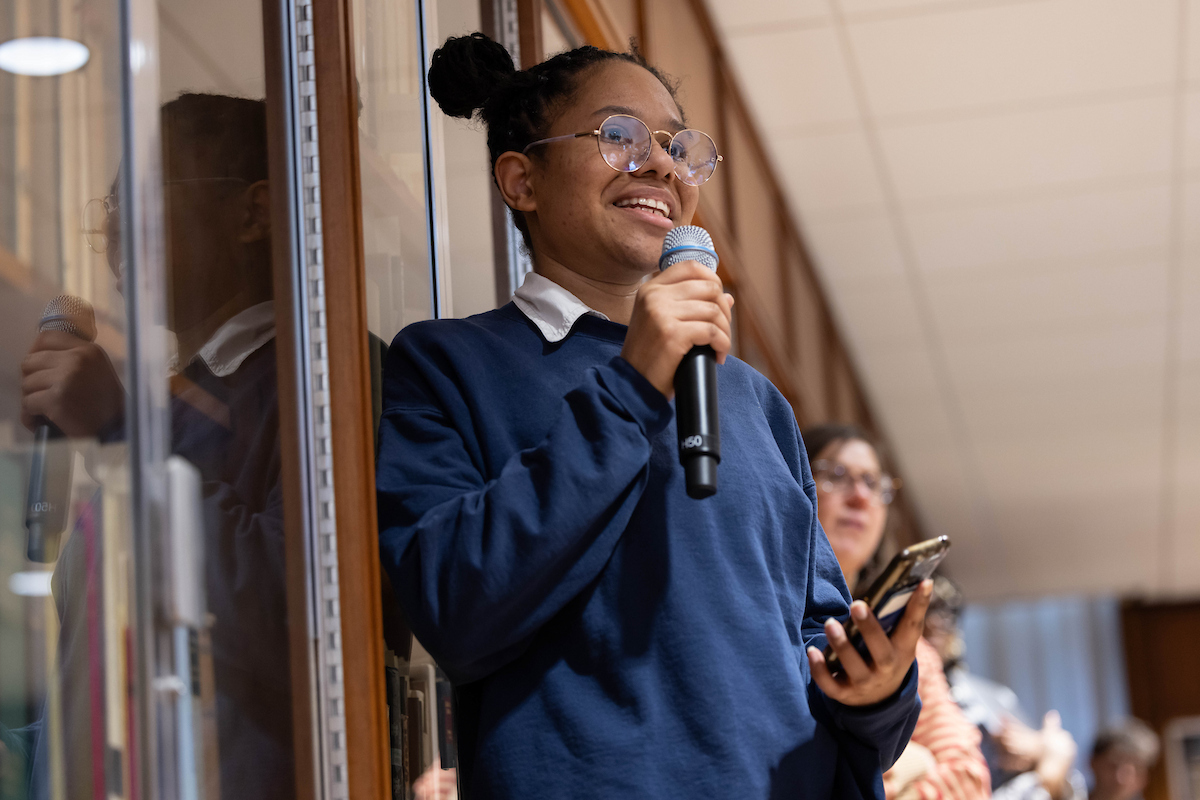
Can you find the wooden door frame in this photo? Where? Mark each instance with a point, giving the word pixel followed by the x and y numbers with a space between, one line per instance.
pixel 368 755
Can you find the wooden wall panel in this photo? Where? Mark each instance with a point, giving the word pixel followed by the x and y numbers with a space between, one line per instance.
pixel 625 18
pixel 849 407
pixel 673 33
pixel 756 233
pixel 1162 664
pixel 807 325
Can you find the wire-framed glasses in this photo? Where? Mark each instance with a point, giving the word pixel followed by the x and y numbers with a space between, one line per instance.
pixel 625 143
pixel 834 477
pixel 95 221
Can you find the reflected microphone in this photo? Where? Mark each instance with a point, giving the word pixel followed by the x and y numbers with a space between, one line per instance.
pixel 696 379
pixel 50 466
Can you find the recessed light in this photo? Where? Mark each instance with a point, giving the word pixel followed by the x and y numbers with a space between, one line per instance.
pixel 42 56
pixel 30 584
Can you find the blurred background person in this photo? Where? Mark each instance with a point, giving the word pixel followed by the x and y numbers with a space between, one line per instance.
pixel 943 759
pixel 1122 756
pixel 1025 763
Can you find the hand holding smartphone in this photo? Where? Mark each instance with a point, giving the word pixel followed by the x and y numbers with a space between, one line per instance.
pixel 889 595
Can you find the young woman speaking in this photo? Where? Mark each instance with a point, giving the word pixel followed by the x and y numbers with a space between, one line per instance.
pixel 608 636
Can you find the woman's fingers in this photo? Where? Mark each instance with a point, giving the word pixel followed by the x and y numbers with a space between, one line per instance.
pixel 853 665
pixel 821 674
pixel 883 653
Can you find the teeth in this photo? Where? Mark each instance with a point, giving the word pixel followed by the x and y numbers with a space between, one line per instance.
pixel 646 203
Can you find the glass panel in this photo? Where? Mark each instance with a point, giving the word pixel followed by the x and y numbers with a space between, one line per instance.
pixel 224 408
pixel 467 193
pixel 400 165
pixel 66 566
pixel 392 155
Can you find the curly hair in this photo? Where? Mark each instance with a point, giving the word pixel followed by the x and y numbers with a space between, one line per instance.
pixel 474 76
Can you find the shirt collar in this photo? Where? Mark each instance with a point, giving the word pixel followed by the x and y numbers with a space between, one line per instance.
pixel 550 307
pixel 237 339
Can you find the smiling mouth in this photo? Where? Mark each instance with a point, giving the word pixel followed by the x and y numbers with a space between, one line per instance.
pixel 645 204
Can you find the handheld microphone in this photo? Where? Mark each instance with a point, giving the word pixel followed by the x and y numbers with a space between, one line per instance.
pixel 49 489
pixel 696 379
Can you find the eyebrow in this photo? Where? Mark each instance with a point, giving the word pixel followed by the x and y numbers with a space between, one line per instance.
pixel 608 111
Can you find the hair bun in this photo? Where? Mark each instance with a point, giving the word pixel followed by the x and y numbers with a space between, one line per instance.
pixel 466 71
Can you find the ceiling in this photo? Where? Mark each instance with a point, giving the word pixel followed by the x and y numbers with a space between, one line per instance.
pixel 1002 198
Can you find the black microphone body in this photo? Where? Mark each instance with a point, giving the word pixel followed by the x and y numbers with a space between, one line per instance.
pixel 49 490
pixel 696 418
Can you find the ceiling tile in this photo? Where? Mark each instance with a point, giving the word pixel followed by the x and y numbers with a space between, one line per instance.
pixel 1184 546
pixel 998 155
pixel 1103 537
pixel 1041 357
pixel 1048 299
pixel 828 172
pixel 879 317
pixel 1005 54
pixel 1189 281
pixel 1192 123
pixel 1189 311
pixel 853 250
pixel 794 80
pixel 979 236
pixel 735 17
pixel 1044 413
pixel 1193 52
pixel 907 7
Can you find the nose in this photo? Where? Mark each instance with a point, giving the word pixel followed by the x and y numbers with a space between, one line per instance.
pixel 659 161
pixel 859 494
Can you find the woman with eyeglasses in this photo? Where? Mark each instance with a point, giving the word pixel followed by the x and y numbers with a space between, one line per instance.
pixel 853 494
pixel 607 635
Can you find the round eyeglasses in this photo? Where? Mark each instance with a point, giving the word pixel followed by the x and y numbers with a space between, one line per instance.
pixel 832 476
pixel 625 143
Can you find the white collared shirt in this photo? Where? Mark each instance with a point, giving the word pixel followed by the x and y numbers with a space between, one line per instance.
pixel 234 342
pixel 550 307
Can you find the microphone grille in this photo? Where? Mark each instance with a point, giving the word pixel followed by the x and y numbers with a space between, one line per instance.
pixel 71 315
pixel 688 243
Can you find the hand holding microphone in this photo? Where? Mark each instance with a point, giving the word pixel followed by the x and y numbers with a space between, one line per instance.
pixel 67 380
pixel 681 328
pixel 68 389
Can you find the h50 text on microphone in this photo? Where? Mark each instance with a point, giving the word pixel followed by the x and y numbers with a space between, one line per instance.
pixel 696 379
pixel 50 466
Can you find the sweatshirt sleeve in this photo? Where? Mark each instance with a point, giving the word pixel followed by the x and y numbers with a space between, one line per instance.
pixel 481 564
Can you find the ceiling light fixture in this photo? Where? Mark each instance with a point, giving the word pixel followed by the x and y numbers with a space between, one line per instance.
pixel 42 56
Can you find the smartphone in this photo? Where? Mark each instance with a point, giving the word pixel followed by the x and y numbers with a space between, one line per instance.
pixel 889 594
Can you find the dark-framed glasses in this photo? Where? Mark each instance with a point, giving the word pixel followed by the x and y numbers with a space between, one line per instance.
pixel 834 477
pixel 625 143
pixel 99 210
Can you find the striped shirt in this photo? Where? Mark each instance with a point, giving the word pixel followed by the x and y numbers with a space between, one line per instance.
pixel 957 770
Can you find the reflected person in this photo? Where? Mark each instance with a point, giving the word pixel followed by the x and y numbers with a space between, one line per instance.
pixel 224 420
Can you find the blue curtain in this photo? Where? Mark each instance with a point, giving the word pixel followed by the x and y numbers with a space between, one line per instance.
pixel 1062 653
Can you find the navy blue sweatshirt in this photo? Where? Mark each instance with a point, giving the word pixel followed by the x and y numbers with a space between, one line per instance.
pixel 609 637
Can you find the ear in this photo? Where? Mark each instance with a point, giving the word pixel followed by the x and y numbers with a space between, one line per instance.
pixel 513 173
pixel 256 213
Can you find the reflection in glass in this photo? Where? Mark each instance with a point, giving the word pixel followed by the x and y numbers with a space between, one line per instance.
pixel 60 138
pixel 68 642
